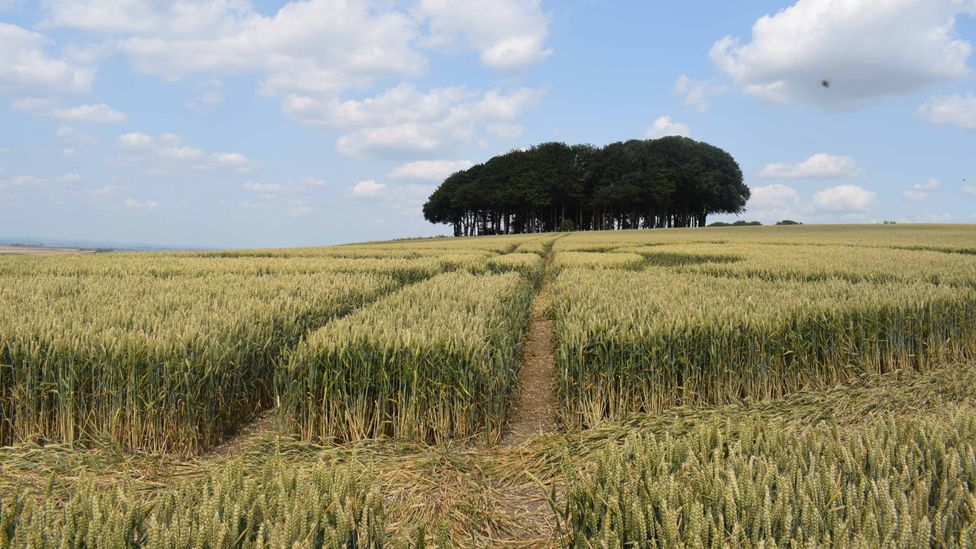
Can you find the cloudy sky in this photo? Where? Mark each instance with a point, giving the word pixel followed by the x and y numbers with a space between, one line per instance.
pixel 232 123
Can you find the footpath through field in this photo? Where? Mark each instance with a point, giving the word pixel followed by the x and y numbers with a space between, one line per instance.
pixel 535 410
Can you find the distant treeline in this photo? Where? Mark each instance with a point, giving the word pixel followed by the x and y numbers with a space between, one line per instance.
pixel 666 182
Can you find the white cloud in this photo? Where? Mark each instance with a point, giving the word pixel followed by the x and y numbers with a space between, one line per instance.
pixel 405 199
pixel 299 211
pixel 844 197
pixel 433 170
pixel 170 147
pixel 18 182
pixel 774 202
pixel 368 189
pixel 695 93
pixel 181 153
pixel 305 47
pixel 292 187
pixel 26 68
pixel 664 126
pixel 403 121
pixel 919 192
pixel 969 189
pixel 508 33
pixel 233 160
pixel 865 49
pixel 105 191
pixel 134 204
pixel 312 52
pixel 69 178
pixel 301 197
pixel 135 140
pixel 958 110
pixel 268 188
pixel 817 166
pixel 32 104
pixel 68 133
pixel 83 114
pixel 69 153
pixel 774 195
pixel 90 114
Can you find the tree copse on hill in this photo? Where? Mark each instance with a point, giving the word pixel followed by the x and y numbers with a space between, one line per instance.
pixel 667 182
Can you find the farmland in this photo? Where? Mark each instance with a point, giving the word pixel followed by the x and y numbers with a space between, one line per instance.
pixel 742 386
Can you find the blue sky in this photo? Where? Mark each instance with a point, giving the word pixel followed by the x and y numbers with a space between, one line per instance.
pixel 251 124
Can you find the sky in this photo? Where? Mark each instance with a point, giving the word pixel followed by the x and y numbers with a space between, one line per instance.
pixel 231 123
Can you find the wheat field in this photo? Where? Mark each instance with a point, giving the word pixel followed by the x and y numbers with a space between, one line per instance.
pixel 799 386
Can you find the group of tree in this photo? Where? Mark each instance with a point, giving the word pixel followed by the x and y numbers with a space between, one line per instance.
pixel 744 223
pixel 666 182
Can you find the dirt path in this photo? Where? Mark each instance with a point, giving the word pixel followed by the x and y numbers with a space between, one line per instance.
pixel 248 433
pixel 524 506
pixel 535 409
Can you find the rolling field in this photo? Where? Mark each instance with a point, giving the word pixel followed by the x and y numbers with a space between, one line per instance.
pixel 721 387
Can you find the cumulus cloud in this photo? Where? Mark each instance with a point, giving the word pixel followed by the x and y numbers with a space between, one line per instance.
pixel 844 198
pixel 312 53
pixel 27 68
pixel 70 134
pixel 271 190
pixel 81 114
pixel 403 121
pixel 405 199
pixel 958 110
pixel 774 195
pixel 919 192
pixel 368 189
pixel 300 197
pixel 15 187
pixel 433 170
pixel 300 210
pixel 134 204
pixel 90 114
pixel 865 49
pixel 304 47
pixel 268 188
pixel 695 93
pixel 664 126
pixel 170 148
pixel 817 166
pixel 32 104
pixel 136 140
pixel 105 191
pixel 315 43
pixel 69 178
pixel 233 160
pixel 775 202
pixel 12 182
pixel 508 33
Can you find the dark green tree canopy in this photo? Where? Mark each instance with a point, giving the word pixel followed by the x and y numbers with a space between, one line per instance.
pixel 666 182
